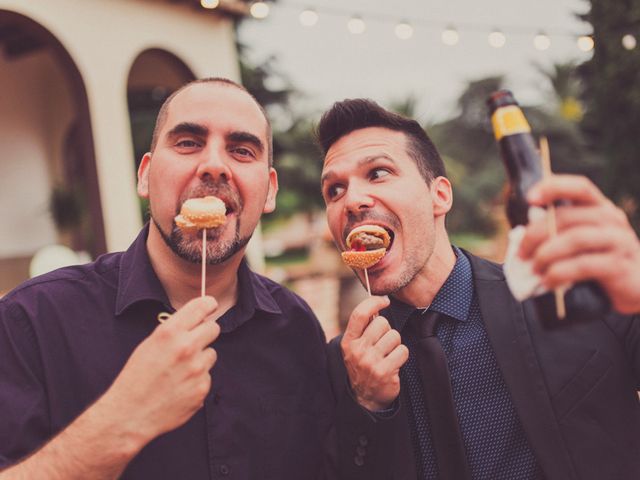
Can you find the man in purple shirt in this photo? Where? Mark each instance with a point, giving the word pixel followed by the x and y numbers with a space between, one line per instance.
pixel 232 385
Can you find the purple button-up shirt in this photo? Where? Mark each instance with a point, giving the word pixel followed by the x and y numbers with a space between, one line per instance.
pixel 66 335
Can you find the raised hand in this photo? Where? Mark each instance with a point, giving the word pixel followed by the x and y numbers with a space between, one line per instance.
pixel 166 379
pixel 595 241
pixel 373 354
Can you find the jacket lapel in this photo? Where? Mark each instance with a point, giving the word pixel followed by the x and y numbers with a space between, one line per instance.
pixel 509 336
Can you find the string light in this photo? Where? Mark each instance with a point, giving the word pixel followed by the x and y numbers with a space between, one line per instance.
pixel 404 31
pixel 450 36
pixel 356 25
pixel 541 41
pixel 259 10
pixel 629 42
pixel 497 39
pixel 585 43
pixel 209 4
pixel 308 17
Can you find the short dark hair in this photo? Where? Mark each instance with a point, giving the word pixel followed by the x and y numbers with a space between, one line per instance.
pixel 355 114
pixel 164 110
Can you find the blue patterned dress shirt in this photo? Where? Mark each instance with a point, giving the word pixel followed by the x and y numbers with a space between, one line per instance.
pixel 494 440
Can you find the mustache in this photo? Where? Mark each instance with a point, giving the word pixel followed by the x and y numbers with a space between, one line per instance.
pixel 365 216
pixel 208 187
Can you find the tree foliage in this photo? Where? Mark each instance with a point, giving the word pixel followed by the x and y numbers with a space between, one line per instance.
pixel 296 157
pixel 611 96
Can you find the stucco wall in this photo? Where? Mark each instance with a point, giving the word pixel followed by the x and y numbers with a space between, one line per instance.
pixel 103 37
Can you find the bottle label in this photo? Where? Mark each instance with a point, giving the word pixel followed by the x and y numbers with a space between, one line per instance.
pixel 509 120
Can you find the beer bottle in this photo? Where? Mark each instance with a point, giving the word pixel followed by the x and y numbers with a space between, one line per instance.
pixel 519 153
pixel 524 168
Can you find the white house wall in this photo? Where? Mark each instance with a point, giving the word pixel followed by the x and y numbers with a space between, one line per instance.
pixel 103 37
pixel 34 114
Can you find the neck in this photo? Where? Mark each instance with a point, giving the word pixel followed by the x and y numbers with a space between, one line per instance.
pixel 421 291
pixel 182 280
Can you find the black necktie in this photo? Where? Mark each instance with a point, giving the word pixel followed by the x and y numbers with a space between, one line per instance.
pixel 445 429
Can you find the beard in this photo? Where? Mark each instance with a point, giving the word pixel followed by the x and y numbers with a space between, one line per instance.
pixel 189 247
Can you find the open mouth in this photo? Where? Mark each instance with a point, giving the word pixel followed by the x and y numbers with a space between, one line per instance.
pixel 369 237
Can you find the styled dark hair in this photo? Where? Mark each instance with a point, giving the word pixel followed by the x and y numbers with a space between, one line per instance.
pixel 355 114
pixel 164 110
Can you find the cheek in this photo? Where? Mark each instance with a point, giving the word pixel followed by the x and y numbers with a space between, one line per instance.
pixel 333 221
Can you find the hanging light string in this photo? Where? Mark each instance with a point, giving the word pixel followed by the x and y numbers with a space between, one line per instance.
pixel 451 35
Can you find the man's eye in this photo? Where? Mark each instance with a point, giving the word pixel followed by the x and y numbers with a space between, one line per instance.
pixel 243 152
pixel 187 144
pixel 378 173
pixel 334 191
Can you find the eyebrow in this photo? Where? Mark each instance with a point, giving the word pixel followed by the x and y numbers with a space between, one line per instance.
pixel 202 131
pixel 246 137
pixel 188 127
pixel 361 163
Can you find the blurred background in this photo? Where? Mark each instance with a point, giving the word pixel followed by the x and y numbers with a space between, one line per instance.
pixel 81 82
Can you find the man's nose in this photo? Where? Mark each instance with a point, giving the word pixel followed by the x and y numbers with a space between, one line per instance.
pixel 214 164
pixel 358 198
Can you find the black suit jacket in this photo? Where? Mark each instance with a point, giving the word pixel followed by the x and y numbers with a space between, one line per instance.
pixel 573 383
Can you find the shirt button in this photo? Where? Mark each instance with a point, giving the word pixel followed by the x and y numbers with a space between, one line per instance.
pixel 359 461
pixel 361 451
pixel 224 469
pixel 363 440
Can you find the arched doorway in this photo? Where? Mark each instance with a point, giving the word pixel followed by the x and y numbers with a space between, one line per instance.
pixel 48 181
pixel 154 75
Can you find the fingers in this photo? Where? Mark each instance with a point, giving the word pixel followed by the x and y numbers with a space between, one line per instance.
pixel 577 269
pixel 580 240
pixel 193 313
pixel 205 334
pixel 605 217
pixel 362 315
pixel 574 188
pixel 398 357
pixel 388 342
pixel 209 357
pixel 375 330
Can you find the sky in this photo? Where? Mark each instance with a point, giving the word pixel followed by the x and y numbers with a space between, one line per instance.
pixel 327 63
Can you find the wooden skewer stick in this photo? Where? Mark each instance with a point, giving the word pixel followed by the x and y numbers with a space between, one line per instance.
pixel 561 310
pixel 204 261
pixel 366 277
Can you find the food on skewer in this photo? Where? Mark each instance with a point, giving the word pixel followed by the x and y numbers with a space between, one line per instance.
pixel 366 245
pixel 205 212
pixel 201 213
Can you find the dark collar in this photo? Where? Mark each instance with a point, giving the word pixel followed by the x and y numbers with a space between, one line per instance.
pixel 138 282
pixel 453 299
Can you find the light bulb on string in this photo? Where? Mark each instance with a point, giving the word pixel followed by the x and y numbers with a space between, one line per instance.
pixel 450 36
pixel 629 42
pixel 541 41
pixel 497 39
pixel 308 17
pixel 403 30
pixel 210 4
pixel 356 25
pixel 585 43
pixel 259 10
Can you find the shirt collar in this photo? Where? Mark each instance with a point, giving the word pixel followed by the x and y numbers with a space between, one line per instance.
pixel 138 282
pixel 252 295
pixel 453 299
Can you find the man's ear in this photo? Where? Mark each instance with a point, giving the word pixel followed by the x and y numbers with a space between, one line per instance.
pixel 270 204
pixel 143 175
pixel 441 195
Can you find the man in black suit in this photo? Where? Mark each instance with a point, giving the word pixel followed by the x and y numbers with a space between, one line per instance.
pixel 532 398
